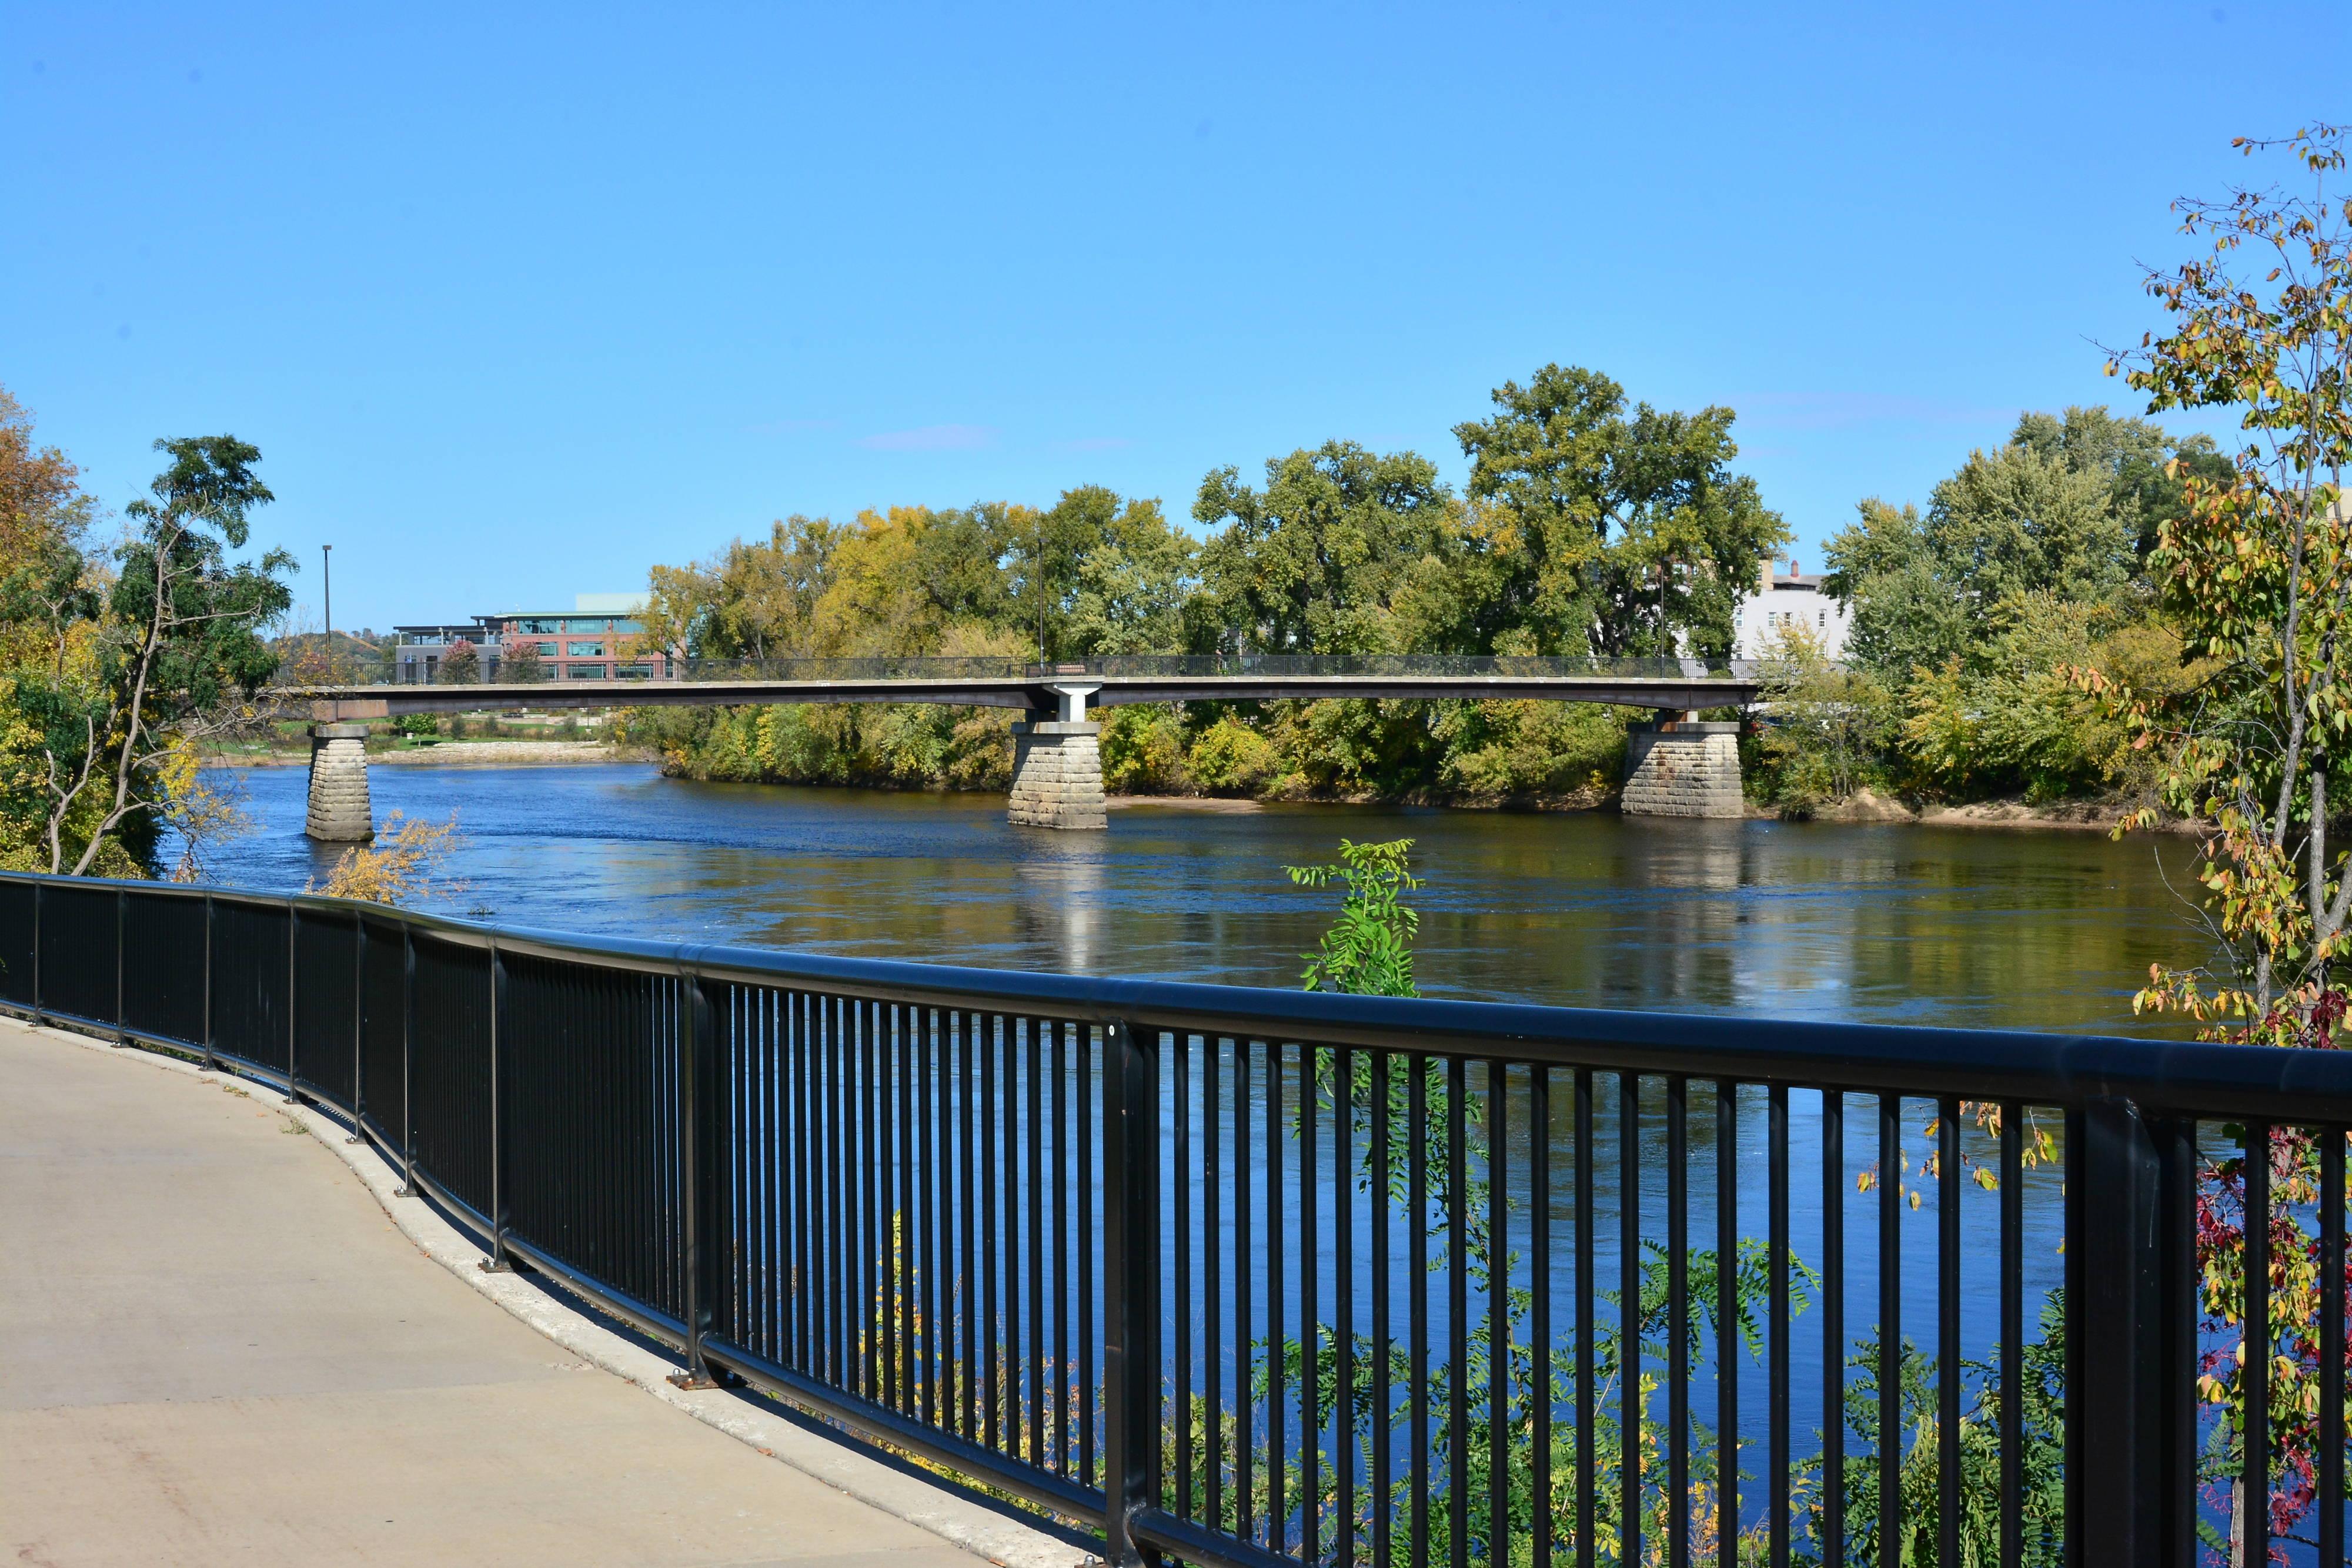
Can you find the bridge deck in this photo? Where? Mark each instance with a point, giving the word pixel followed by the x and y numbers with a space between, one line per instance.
pixel 215 1348
pixel 1032 693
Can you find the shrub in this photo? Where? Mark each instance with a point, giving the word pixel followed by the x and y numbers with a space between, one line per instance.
pixel 1230 758
pixel 1143 751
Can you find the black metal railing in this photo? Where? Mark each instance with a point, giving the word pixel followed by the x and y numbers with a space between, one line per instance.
pixel 868 669
pixel 1248 1277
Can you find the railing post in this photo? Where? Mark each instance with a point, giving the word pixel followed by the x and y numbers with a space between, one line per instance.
pixel 211 1062
pixel 359 1023
pixel 2133 1326
pixel 121 920
pixel 40 1019
pixel 698 1078
pixel 293 926
pixel 408 1054
pixel 498 1262
pixel 1130 1285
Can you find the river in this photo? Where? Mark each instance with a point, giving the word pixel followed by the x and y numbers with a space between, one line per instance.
pixel 1887 923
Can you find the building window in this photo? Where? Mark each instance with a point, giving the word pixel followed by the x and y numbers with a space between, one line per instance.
pixel 584 671
pixel 585 650
pixel 635 672
pixel 547 650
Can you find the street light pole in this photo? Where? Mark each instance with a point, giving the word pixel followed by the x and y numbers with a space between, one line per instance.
pixel 326 585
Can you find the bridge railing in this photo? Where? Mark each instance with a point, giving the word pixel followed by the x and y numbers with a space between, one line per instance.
pixel 1139 666
pixel 1250 1276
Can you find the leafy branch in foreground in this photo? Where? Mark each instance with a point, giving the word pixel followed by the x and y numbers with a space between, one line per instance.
pixel 1367 951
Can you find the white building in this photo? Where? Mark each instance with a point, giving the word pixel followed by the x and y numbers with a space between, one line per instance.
pixel 1790 600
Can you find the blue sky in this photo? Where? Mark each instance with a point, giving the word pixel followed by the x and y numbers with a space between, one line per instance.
pixel 517 302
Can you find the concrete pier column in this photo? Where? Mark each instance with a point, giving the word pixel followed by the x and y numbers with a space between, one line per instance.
pixel 1056 776
pixel 341 811
pixel 1681 768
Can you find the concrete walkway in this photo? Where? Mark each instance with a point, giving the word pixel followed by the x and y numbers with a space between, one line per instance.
pixel 214 1347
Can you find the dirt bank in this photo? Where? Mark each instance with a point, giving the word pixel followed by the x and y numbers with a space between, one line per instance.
pixel 2096 816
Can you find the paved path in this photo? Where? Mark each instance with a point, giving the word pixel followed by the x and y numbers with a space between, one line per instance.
pixel 216 1348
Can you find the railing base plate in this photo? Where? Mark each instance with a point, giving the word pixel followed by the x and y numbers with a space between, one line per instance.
pixel 687 1380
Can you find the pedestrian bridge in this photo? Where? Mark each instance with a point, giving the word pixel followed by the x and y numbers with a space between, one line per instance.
pixel 1676 766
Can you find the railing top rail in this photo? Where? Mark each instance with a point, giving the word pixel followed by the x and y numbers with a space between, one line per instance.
pixel 2173 1076
pixel 1169 666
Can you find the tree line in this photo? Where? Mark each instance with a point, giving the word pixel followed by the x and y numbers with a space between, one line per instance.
pixel 1588 525
pixel 2032 559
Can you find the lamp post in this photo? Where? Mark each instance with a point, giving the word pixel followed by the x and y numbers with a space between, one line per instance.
pixel 327 587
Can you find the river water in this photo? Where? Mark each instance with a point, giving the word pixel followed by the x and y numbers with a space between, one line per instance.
pixel 1885 922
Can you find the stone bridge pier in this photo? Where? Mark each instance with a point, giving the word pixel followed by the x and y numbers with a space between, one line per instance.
pixel 1057 767
pixel 1676 766
pixel 339 811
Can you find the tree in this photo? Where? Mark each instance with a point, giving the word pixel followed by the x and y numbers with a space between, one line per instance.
pixel 518 662
pixel 2256 570
pixel 1829 723
pixel 400 867
pixel 2258 573
pixel 2063 510
pixel 2136 457
pixel 1608 534
pixel 1318 561
pixel 460 666
pixel 148 662
pixel 1116 573
pixel 753 600
pixel 1907 613
pixel 2014 521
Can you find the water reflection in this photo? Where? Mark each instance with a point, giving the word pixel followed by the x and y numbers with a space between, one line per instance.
pixel 1886 922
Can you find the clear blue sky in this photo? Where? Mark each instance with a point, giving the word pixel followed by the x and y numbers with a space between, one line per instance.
pixel 518 302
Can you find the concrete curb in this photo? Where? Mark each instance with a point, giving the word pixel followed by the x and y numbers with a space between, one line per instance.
pixel 836 1462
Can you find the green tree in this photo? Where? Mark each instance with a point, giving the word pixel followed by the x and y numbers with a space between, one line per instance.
pixel 2142 465
pixel 1122 578
pixel 1317 561
pixel 754 600
pixel 147 662
pixel 1831 724
pixel 1907 615
pixel 1608 534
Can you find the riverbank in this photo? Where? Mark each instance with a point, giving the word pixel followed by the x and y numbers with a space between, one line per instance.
pixel 2078 816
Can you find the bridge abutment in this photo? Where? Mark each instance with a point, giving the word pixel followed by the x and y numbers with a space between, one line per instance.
pixel 1681 768
pixel 341 811
pixel 1057 776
